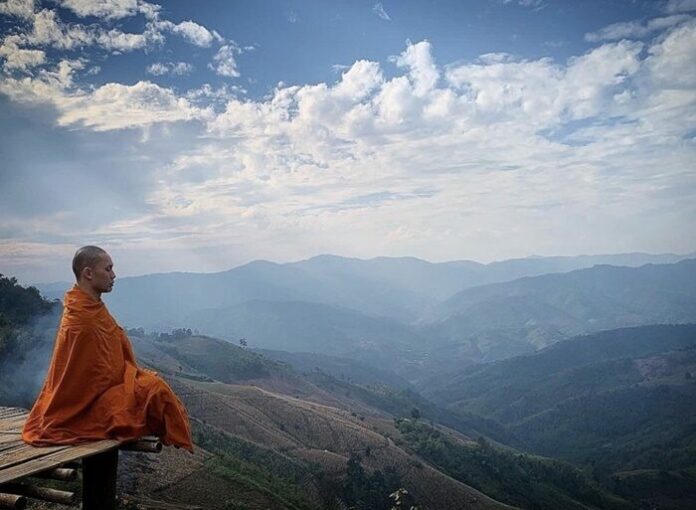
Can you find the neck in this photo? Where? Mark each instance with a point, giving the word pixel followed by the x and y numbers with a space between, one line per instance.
pixel 89 291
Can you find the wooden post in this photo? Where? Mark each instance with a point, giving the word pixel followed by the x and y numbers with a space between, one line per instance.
pixel 12 501
pixel 62 474
pixel 99 481
pixel 44 493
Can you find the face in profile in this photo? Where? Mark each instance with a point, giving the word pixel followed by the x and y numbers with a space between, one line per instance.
pixel 102 274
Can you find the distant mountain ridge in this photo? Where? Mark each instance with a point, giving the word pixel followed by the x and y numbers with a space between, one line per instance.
pixel 400 288
pixel 407 314
pixel 532 312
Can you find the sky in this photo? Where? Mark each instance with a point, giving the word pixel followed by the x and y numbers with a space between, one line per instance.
pixel 198 136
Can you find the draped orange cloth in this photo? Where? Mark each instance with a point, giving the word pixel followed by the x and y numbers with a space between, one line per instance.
pixel 95 390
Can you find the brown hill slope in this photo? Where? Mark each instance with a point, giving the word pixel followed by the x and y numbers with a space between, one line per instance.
pixel 281 419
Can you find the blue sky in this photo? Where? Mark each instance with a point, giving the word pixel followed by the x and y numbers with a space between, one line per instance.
pixel 199 136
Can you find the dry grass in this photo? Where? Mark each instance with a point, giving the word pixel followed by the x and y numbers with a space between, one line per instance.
pixel 288 414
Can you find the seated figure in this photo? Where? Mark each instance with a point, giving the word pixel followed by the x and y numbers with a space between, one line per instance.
pixel 94 388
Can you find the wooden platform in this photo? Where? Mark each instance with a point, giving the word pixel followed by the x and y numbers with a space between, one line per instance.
pixel 98 461
pixel 18 459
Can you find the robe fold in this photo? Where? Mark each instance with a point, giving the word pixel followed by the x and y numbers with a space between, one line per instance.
pixel 95 390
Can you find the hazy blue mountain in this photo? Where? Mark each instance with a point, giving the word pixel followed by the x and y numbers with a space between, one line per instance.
pixel 312 327
pixel 494 388
pixel 512 269
pixel 342 369
pixel 405 289
pixel 500 320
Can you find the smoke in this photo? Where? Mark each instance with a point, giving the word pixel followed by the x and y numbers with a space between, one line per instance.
pixel 23 368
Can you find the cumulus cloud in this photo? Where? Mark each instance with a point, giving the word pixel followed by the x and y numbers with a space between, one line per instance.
pixel 19 58
pixel 193 32
pixel 497 135
pixel 111 9
pixel 109 107
pixel 48 30
pixel 422 69
pixel 19 8
pixel 542 91
pixel 634 29
pixel 177 68
pixel 224 62
pixel 117 106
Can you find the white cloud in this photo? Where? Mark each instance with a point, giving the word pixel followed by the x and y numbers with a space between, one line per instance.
pixel 634 29
pixel 468 159
pixel 535 4
pixel 193 32
pixel 225 63
pixel 359 80
pixel 117 106
pixel 671 61
pixel 111 9
pixel 177 68
pixel 158 69
pixel 465 155
pixel 207 92
pixel 20 8
pixel 680 5
pixel 422 69
pixel 48 30
pixel 378 9
pixel 19 58
pixel 109 107
pixel 543 92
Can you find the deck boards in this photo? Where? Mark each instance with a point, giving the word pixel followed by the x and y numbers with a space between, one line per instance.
pixel 18 459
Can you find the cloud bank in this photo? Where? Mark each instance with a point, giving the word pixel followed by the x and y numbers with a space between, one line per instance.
pixel 488 158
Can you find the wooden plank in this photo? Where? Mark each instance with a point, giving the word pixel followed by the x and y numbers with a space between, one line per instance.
pixel 13 424
pixel 9 439
pixel 55 459
pixel 10 412
pixel 4 447
pixel 24 453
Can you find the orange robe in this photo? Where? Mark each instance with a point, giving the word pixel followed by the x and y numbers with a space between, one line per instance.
pixel 95 390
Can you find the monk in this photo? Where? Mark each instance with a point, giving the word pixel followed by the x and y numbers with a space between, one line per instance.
pixel 94 389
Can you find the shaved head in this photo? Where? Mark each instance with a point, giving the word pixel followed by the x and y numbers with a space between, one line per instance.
pixel 87 256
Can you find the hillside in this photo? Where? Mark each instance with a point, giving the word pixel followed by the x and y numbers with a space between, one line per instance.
pixel 277 412
pixel 344 369
pixel 312 327
pixel 621 402
pixel 268 438
pixel 506 319
pixel 323 425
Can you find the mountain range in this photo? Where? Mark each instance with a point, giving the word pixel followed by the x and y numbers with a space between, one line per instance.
pixel 407 314
pixel 542 398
